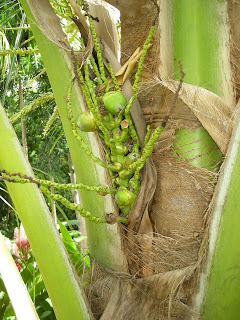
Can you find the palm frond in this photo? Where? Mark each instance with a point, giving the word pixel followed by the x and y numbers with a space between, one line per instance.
pixel 13 59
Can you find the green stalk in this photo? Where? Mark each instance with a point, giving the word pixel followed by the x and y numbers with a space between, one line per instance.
pixel 104 240
pixel 199 40
pixel 60 279
pixel 219 291
pixel 197 32
pixel 197 148
pixel 195 42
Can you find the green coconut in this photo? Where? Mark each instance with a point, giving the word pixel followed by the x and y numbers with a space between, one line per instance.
pixel 125 198
pixel 114 102
pixel 86 122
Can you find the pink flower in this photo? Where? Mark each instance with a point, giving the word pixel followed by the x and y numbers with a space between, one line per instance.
pixel 21 243
pixel 18 265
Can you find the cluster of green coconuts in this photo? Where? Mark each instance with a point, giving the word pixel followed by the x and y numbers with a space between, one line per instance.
pixel 114 103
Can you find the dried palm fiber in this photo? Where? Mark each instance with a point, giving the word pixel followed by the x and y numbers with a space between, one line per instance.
pixel 195 97
pixel 132 298
pixel 205 107
pixel 170 194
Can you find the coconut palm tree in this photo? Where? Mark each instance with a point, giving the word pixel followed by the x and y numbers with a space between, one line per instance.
pixel 168 250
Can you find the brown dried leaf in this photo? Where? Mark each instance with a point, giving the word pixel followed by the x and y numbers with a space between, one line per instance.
pixel 213 113
pixel 144 198
pixel 124 72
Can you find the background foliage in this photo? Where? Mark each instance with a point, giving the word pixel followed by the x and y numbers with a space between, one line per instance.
pixel 48 154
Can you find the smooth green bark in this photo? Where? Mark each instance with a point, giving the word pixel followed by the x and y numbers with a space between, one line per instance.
pixel 201 40
pixel 197 148
pixel 222 295
pixel 58 274
pixel 196 41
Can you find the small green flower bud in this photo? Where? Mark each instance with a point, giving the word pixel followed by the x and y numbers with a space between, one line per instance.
pixel 118 166
pixel 122 136
pixel 110 125
pixel 125 210
pixel 135 185
pixel 124 174
pixel 124 198
pixel 120 158
pixel 114 102
pixel 86 122
pixel 122 182
pixel 120 149
pixel 109 121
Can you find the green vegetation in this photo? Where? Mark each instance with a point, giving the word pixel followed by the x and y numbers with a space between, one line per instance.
pixel 61 98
